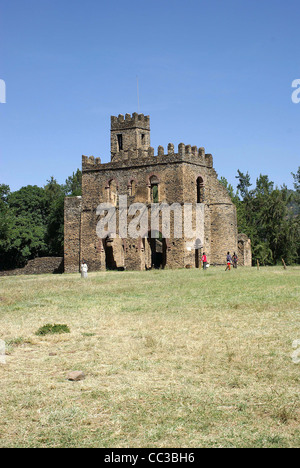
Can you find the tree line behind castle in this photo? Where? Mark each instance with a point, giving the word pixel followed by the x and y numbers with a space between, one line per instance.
pixel 32 219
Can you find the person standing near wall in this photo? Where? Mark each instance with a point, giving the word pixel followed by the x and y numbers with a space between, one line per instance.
pixel 229 261
pixel 84 270
pixel 204 261
pixel 235 260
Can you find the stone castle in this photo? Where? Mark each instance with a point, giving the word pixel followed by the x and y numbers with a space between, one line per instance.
pixel 183 177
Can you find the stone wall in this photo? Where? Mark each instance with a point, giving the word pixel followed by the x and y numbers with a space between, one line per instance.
pixel 38 266
pixel 244 250
pixel 72 234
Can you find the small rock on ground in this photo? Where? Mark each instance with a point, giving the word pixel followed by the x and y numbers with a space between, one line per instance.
pixel 75 376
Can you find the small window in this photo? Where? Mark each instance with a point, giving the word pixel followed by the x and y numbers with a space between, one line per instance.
pixel 154 189
pixel 200 190
pixel 132 188
pixel 155 193
pixel 143 138
pixel 112 192
pixel 120 142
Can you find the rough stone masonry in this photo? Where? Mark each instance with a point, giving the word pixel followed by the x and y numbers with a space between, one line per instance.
pixel 183 177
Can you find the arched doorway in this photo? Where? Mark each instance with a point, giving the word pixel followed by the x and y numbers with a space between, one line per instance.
pixel 198 253
pixel 114 253
pixel 158 250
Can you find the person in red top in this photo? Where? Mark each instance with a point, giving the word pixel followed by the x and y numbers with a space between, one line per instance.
pixel 229 261
pixel 204 261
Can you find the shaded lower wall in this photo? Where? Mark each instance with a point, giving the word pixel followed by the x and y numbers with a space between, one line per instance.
pixel 38 266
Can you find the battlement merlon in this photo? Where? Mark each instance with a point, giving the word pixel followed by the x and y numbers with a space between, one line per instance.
pixel 90 162
pixel 140 121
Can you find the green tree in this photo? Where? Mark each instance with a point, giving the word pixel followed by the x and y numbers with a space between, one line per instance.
pixel 264 216
pixel 55 195
pixel 32 220
pixel 73 184
pixel 297 180
pixel 4 194
pixel 54 237
pixel 296 200
pixel 244 202
pixel 233 195
pixel 53 190
pixel 5 222
pixel 26 218
pixel 244 184
pixel 29 202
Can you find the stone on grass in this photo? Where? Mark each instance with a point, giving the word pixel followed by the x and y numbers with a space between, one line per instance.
pixel 76 376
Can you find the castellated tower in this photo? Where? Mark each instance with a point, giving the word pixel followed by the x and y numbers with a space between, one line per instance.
pixel 182 177
pixel 131 133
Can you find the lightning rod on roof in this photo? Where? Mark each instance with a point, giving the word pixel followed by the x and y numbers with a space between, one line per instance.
pixel 138 97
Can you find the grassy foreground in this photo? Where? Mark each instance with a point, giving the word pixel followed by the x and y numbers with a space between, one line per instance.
pixel 172 359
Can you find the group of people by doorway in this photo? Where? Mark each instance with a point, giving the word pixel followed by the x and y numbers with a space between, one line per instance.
pixel 230 260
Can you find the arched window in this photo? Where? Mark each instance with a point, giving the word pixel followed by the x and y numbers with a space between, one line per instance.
pixel 154 189
pixel 200 190
pixel 120 142
pixel 112 191
pixel 132 188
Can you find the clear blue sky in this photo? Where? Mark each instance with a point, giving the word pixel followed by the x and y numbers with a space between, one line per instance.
pixel 214 73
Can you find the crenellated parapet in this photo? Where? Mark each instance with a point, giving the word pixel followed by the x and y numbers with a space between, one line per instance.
pixel 140 155
pixel 90 162
pixel 130 121
pixel 188 152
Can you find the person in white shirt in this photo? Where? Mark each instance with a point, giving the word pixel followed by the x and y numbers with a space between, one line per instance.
pixel 84 270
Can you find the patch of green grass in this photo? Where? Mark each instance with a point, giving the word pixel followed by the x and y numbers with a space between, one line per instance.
pixel 49 329
pixel 16 341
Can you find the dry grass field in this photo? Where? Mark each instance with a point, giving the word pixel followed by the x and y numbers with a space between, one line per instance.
pixel 172 359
